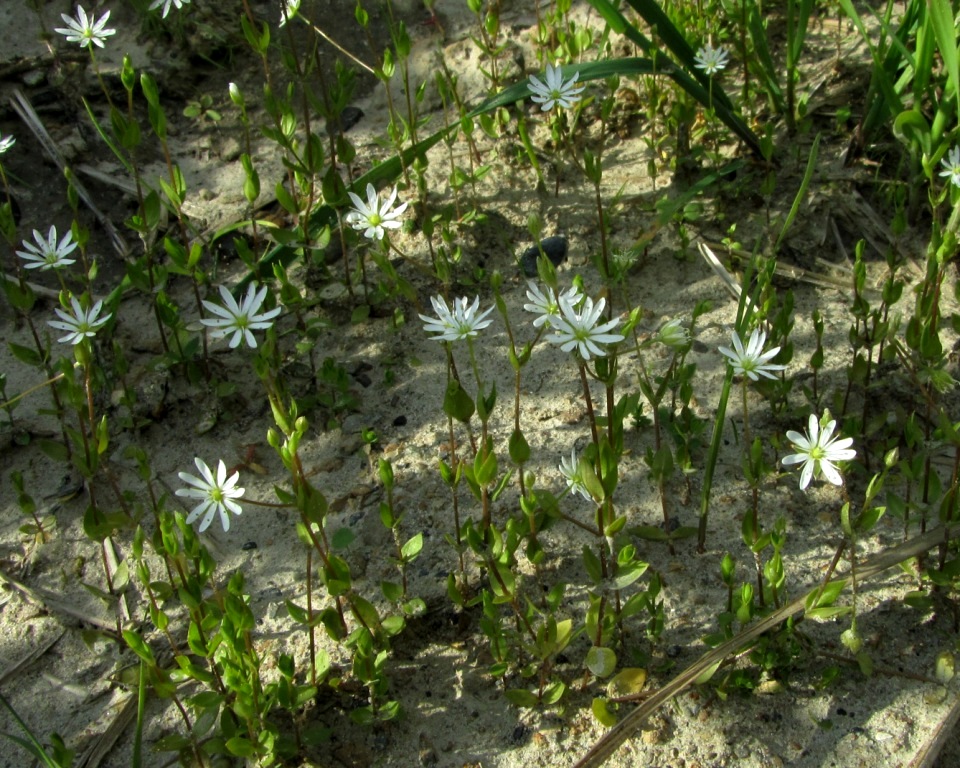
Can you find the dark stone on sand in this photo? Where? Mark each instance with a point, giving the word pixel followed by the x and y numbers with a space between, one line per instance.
pixel 555 249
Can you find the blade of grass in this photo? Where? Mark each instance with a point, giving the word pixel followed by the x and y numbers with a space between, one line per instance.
pixel 689 78
pixel 30 744
pixel 720 418
pixel 767 69
pixel 801 193
pixel 941 15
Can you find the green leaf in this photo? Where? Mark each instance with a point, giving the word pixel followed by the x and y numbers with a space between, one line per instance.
pixel 241 747
pixel 521 697
pixel 457 403
pixel 592 564
pixel 601 661
pixel 55 450
pixel 602 712
pixel 392 591
pixel 412 547
pixel 26 355
pixel 342 538
pixel 519 448
pixel 137 644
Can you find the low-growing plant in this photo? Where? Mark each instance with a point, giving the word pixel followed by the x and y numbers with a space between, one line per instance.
pixel 551 636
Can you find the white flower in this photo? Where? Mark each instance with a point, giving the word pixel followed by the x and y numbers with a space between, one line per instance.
pixel 372 217
pixel 580 330
pixel 951 166
pixel 81 323
pixel 571 473
pixel 460 322
pixel 752 360
pixel 240 319
pixel 288 10
pixel 548 304
pixel 711 60
pixel 6 142
pixel 216 495
pixel 166 5
pixel 818 449
pixel 554 90
pixel 85 30
pixel 47 253
pixel 673 334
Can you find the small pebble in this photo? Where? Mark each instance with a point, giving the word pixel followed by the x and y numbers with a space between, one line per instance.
pixel 555 249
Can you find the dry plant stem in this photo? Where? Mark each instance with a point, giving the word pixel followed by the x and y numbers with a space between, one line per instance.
pixel 360 63
pixel 608 744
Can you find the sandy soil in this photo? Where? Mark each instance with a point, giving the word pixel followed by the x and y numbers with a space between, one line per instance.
pixel 63 674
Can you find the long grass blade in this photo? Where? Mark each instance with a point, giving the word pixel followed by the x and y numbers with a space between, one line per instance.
pixel 941 15
pixel 802 192
pixel 688 77
pixel 767 69
pixel 30 743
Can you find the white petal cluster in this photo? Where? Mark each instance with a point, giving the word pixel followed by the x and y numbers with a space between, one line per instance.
pixel 752 361
pixel 240 319
pixel 711 60
pixel 167 4
pixel 578 327
pixel 818 450
pixel 83 323
pixel 48 253
pixel 553 90
pixel 373 217
pixel 951 166
pixel 458 322
pixel 547 304
pixel 571 473
pixel 216 494
pixel 84 29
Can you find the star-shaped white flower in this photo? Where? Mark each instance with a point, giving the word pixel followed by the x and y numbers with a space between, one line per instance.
pixel 48 253
pixel 546 304
pixel 6 142
pixel 752 360
pixel 371 216
pixel 240 319
pixel 818 450
pixel 553 90
pixel 571 473
pixel 84 29
pixel 456 323
pixel 81 324
pixel 216 494
pixel 166 5
pixel 711 60
pixel 579 330
pixel 288 10
pixel 951 166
